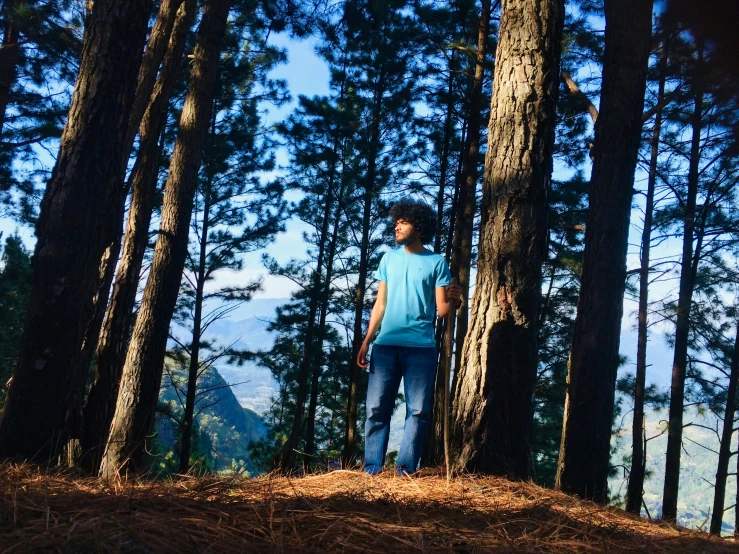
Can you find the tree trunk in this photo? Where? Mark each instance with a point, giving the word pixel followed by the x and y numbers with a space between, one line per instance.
pixel 310 443
pixel 494 397
pixel 585 447
pixel 142 372
pixel 461 250
pixel 112 344
pixel 151 60
pixel 636 474
pixel 287 456
pixel 192 377
pixel 79 215
pixel 156 48
pixel 682 326
pixel 9 56
pixel 725 453
pixel 350 444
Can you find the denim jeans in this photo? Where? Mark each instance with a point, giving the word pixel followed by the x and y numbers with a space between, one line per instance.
pixel 417 367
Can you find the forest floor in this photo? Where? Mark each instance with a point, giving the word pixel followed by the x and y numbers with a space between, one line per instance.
pixel 339 511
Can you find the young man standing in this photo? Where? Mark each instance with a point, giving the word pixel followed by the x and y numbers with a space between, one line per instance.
pixel 414 283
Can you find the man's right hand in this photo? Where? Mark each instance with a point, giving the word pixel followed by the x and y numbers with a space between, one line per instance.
pixel 362 356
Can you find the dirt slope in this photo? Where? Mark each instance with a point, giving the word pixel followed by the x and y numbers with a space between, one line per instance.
pixel 339 511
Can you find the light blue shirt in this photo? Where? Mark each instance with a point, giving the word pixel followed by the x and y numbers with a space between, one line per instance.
pixel 411 296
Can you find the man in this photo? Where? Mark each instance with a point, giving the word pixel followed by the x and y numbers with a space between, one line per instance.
pixel 414 283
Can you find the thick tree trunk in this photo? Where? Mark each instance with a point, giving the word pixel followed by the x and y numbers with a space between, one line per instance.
pixel 636 474
pixel 142 372
pixel 725 453
pixel 494 398
pixel 9 56
pixel 682 325
pixel 584 452
pixel 461 250
pixel 79 215
pixel 113 342
pixel 151 60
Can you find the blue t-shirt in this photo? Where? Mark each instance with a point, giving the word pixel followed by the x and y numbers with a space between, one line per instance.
pixel 411 300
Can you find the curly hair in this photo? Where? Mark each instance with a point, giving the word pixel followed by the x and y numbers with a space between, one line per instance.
pixel 418 214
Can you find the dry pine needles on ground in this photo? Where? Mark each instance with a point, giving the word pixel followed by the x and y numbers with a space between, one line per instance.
pixel 339 511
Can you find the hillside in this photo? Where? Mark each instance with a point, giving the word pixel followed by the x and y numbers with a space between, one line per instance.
pixel 229 426
pixel 340 511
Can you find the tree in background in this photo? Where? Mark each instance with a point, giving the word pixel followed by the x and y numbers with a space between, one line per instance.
pixel 585 448
pixel 39 61
pixel 15 289
pixel 235 212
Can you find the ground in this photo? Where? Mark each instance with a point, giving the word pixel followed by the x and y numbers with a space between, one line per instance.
pixel 338 511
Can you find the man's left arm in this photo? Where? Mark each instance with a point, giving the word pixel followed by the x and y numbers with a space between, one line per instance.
pixel 448 297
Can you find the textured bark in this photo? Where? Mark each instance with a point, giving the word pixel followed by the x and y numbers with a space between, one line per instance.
pixel 635 487
pixel 724 453
pixel 682 326
pixel 142 372
pixel 9 56
pixel 494 397
pixel 78 218
pixel 461 249
pixel 113 340
pixel 156 48
pixel 584 452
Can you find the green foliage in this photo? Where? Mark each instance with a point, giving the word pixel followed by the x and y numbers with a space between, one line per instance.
pixel 49 44
pixel 15 290
pixel 222 431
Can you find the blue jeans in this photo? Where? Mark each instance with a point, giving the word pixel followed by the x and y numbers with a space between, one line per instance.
pixel 417 367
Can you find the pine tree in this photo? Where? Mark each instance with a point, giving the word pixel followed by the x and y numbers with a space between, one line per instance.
pixel 585 448
pixel 501 343
pixel 15 290
pixel 74 228
pixel 142 371
pixel 235 212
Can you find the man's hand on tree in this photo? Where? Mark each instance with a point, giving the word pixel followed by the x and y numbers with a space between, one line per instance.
pixel 362 356
pixel 454 293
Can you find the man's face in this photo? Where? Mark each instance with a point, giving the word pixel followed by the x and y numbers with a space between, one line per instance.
pixel 404 232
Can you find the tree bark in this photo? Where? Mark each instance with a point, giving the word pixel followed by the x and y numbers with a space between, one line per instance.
pixel 682 325
pixel 113 337
pixel 725 453
pixel 78 218
pixel 142 372
pixel 494 398
pixel 636 474
pixel 584 452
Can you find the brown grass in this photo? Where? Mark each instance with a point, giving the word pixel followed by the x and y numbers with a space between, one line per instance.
pixel 339 511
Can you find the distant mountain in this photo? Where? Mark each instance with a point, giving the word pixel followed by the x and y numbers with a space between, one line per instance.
pixel 229 426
